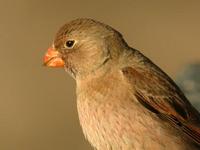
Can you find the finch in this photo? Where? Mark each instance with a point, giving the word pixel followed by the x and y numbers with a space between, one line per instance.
pixel 124 100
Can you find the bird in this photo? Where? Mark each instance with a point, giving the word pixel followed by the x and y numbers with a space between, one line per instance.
pixel 124 100
pixel 188 79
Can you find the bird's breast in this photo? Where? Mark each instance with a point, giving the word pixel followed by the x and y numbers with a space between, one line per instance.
pixel 103 114
pixel 102 110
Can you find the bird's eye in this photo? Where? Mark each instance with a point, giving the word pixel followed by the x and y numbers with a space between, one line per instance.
pixel 69 43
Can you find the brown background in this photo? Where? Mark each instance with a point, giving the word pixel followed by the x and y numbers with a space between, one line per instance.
pixel 37 104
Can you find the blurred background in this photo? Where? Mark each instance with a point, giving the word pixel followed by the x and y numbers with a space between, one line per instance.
pixel 188 79
pixel 38 104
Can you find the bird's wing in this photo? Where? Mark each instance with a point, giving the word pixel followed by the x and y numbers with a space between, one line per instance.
pixel 158 93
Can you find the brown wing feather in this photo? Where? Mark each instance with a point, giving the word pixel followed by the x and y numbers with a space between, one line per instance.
pixel 158 93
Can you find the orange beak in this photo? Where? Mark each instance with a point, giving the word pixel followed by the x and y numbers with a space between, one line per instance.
pixel 53 58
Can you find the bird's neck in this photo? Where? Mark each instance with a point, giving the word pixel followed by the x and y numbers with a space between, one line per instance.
pixel 108 65
pixel 100 71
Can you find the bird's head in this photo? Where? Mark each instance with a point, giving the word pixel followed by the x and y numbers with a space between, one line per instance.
pixel 83 46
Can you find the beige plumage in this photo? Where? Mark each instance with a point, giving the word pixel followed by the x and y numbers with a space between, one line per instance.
pixel 124 100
